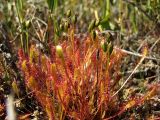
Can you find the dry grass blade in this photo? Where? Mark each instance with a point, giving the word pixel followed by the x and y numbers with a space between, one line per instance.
pixel 137 54
pixel 134 70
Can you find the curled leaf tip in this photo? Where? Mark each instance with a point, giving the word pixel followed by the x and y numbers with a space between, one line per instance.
pixel 59 51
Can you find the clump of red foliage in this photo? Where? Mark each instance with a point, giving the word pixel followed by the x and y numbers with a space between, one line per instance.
pixel 77 81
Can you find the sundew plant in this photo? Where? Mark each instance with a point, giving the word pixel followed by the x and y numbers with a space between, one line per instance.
pixel 79 79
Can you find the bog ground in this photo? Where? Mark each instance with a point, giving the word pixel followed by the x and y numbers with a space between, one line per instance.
pixel 80 60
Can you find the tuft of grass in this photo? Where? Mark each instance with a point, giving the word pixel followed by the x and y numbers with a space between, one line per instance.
pixel 24 24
